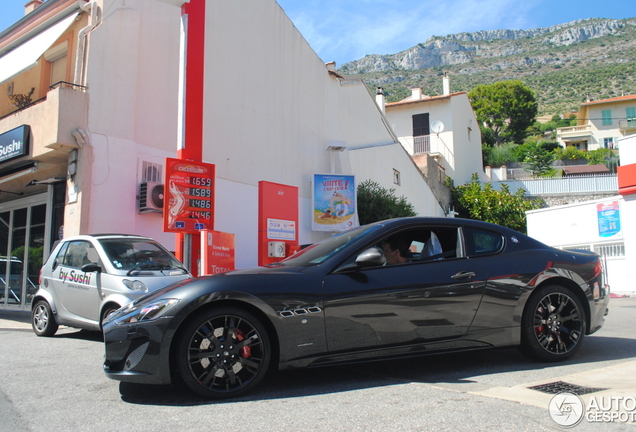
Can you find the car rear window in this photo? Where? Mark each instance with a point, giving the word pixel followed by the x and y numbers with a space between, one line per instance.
pixel 482 242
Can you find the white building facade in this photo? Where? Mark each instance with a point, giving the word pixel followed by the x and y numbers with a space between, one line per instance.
pixel 601 124
pixel 604 226
pixel 444 127
pixel 106 113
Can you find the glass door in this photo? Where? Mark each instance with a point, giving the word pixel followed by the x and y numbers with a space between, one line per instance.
pixel 23 237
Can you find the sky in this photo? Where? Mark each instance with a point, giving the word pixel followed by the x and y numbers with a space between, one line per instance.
pixel 347 30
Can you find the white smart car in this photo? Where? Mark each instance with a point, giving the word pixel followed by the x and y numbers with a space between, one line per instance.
pixel 88 277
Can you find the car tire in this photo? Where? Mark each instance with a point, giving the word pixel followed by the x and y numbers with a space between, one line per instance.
pixel 553 324
pixel 106 312
pixel 223 352
pixel 42 319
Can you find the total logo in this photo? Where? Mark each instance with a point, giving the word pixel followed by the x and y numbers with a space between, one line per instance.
pixel 76 277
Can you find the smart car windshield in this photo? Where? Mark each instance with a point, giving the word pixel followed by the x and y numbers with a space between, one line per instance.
pixel 138 254
pixel 321 251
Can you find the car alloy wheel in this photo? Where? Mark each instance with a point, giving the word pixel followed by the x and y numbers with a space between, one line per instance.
pixel 223 352
pixel 42 319
pixel 553 324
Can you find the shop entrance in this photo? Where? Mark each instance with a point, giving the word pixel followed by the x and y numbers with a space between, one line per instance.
pixel 23 242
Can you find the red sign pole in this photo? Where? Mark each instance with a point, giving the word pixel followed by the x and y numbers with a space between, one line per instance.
pixel 193 14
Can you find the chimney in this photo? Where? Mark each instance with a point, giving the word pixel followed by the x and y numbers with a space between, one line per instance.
pixel 32 5
pixel 446 84
pixel 416 93
pixel 379 98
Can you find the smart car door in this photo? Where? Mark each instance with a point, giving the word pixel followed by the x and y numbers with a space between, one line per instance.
pixel 76 290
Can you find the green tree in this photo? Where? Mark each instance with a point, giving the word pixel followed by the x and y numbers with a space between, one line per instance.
pixel 539 162
pixel 507 108
pixel 376 203
pixel 472 201
pixel 538 154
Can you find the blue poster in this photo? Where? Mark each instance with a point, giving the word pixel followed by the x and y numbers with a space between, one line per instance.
pixel 334 200
pixel 609 220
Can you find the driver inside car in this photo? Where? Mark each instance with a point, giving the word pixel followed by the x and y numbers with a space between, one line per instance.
pixel 396 250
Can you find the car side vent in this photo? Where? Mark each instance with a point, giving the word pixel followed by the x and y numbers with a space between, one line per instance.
pixel 151 197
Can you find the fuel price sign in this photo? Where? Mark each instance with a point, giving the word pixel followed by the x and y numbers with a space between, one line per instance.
pixel 189 196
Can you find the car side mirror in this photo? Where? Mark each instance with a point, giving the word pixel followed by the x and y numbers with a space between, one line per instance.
pixel 90 267
pixel 372 257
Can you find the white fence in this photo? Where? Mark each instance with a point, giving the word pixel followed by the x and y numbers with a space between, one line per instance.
pixel 562 185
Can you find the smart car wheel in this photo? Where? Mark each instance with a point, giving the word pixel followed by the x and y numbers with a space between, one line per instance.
pixel 223 352
pixel 553 325
pixel 108 310
pixel 42 319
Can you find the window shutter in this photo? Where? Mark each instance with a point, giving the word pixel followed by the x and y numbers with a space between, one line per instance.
pixel 58 70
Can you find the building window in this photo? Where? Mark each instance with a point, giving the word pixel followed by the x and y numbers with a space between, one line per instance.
pixel 421 125
pixel 608 143
pixel 575 248
pixel 631 117
pixel 56 57
pixel 607 117
pixel 610 250
pixel 396 177
pixel 58 70
pixel 469 131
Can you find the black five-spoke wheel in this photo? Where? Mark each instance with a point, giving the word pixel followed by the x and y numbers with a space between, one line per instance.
pixel 223 352
pixel 553 324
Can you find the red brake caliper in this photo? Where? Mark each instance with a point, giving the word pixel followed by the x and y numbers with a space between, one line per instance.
pixel 246 352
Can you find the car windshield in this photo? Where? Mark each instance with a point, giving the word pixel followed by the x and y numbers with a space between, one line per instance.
pixel 16 266
pixel 138 254
pixel 321 251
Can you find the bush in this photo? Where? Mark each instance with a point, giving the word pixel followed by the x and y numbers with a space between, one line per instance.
pixel 500 155
pixel 487 204
pixel 569 153
pixel 376 203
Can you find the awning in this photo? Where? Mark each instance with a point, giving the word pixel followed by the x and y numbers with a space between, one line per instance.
pixel 26 55
pixel 585 169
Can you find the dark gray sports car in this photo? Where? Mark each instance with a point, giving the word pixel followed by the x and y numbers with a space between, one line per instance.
pixel 392 289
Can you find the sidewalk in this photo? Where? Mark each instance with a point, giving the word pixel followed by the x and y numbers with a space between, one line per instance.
pixel 15 319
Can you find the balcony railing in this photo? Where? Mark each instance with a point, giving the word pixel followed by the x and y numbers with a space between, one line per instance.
pixel 604 183
pixel 421 144
pixel 627 124
pixel 52 120
pixel 574 131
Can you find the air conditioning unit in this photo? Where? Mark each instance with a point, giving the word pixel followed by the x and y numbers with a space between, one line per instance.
pixel 150 197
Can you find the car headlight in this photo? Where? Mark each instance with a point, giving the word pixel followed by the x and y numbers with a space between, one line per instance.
pixel 145 312
pixel 135 285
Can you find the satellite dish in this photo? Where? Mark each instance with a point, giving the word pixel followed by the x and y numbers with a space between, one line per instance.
pixel 437 126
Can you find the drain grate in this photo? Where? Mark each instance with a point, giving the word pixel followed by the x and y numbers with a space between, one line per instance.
pixel 563 387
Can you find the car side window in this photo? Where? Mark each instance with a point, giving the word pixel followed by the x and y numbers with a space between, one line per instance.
pixel 482 242
pixel 421 244
pixel 59 259
pixel 78 254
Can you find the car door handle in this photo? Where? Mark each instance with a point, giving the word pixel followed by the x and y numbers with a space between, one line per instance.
pixel 463 275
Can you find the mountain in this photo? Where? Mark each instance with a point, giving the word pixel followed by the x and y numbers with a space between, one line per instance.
pixel 564 64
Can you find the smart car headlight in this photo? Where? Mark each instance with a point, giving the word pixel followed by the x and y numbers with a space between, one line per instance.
pixel 135 285
pixel 146 312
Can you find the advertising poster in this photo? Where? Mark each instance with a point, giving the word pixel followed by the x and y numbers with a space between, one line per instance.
pixel 189 196
pixel 218 252
pixel 334 200
pixel 609 220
